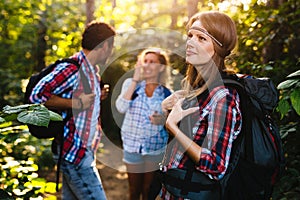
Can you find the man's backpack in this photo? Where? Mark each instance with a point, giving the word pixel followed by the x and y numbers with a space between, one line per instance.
pixel 257 158
pixel 54 128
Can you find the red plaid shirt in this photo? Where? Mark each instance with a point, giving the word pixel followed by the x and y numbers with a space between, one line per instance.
pixel 64 82
pixel 215 127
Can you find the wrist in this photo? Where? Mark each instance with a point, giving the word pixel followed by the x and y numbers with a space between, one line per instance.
pixel 135 81
pixel 171 127
pixel 80 103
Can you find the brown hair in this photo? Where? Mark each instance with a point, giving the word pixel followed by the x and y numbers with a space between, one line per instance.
pixel 220 26
pixel 96 33
pixel 223 29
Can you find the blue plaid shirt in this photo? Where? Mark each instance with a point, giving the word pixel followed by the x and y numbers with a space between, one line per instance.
pixel 138 134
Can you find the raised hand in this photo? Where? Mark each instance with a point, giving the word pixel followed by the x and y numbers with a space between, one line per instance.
pixel 177 114
pixel 171 100
pixel 138 72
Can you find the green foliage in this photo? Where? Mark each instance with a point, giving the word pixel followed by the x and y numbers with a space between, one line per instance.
pixel 32 35
pixel 19 155
pixel 36 114
pixel 290 95
pixel 143 14
pixel 289 109
pixel 268 38
pixel 20 151
pixel 10 85
pixel 64 22
pixel 35 33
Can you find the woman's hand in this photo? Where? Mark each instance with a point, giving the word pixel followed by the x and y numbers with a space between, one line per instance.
pixel 138 72
pixel 171 100
pixel 176 115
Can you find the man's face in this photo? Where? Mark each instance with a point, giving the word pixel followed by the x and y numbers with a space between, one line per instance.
pixel 103 53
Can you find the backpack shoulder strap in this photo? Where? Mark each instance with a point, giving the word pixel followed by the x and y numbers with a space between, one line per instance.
pixel 245 137
pixel 167 92
pixel 234 81
pixel 69 60
pixel 85 82
pixel 135 94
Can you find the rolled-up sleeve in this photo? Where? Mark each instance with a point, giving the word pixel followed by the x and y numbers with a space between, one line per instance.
pixel 61 79
pixel 122 104
pixel 224 124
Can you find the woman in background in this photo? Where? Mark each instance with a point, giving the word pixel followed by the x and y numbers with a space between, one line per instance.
pixel 143 134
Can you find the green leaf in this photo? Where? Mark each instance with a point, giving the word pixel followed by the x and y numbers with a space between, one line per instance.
pixel 297 73
pixel 295 99
pixel 16 109
pixel 2 120
pixel 55 116
pixel 37 116
pixel 11 117
pixel 50 187
pixel 286 84
pixel 283 107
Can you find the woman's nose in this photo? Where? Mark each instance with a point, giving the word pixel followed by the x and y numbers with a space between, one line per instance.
pixel 190 43
pixel 146 64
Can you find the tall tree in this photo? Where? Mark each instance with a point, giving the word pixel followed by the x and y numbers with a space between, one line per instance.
pixel 192 7
pixel 41 42
pixel 90 10
pixel 273 50
pixel 174 15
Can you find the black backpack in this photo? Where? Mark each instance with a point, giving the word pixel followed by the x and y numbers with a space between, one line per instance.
pixel 257 158
pixel 55 128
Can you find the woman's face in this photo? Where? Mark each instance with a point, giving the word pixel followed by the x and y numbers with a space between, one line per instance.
pixel 151 66
pixel 199 46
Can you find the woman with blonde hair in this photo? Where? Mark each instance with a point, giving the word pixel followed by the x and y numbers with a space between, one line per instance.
pixel 143 134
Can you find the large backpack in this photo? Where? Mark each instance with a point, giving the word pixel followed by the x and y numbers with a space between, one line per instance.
pixel 257 158
pixel 55 128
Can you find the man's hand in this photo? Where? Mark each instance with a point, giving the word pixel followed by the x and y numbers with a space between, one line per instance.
pixel 87 100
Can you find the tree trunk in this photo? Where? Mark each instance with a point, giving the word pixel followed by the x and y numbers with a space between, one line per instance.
pixel 174 15
pixel 113 5
pixel 192 7
pixel 41 43
pixel 274 49
pixel 90 10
